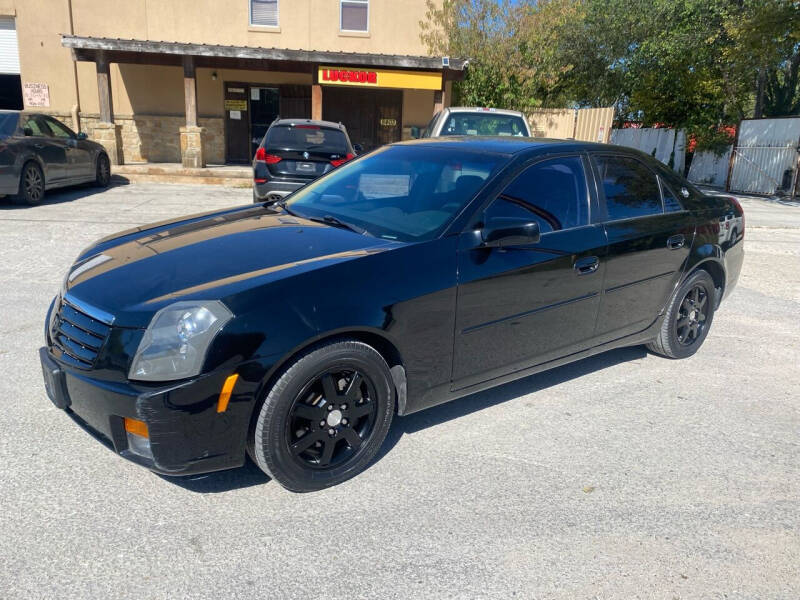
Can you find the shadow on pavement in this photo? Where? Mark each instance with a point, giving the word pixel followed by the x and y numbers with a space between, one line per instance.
pixel 67 194
pixel 250 474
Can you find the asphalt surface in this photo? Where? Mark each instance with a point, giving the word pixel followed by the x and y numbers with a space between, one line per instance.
pixel 621 476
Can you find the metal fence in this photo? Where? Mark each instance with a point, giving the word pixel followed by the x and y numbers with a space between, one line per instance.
pixel 709 168
pixel 667 145
pixel 765 156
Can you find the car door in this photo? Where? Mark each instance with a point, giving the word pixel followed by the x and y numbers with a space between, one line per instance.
pixel 521 306
pixel 80 165
pixel 647 245
pixel 53 155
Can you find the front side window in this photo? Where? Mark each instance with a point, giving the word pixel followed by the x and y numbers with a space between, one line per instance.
pixel 552 193
pixel 630 188
pixel 354 15
pixel 36 126
pixel 264 12
pixel 398 192
pixel 59 129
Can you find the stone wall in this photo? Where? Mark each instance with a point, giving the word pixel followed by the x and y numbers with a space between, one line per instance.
pixel 154 138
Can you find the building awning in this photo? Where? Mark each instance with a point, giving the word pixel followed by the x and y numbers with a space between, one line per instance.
pixel 152 52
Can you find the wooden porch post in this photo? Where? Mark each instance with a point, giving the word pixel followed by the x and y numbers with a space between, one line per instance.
pixel 190 90
pixel 104 88
pixel 316 102
pixel 440 96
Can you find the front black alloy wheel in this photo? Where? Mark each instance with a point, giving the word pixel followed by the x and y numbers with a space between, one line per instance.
pixel 688 318
pixel 325 417
pixel 103 175
pixel 31 185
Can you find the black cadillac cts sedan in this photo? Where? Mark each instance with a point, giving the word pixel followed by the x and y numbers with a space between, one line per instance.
pixel 420 273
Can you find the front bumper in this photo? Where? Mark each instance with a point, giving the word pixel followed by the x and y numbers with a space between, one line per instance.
pixel 186 433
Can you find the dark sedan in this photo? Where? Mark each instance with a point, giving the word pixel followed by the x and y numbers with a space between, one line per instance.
pixel 39 153
pixel 420 273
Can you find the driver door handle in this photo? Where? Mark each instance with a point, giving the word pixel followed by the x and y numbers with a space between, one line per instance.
pixel 586 265
pixel 676 241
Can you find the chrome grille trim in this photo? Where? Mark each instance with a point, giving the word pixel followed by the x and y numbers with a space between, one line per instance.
pixel 78 332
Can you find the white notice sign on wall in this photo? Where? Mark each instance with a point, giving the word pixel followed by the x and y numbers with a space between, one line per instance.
pixel 236 115
pixel 36 95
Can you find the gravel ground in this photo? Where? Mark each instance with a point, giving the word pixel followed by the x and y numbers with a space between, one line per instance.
pixel 621 476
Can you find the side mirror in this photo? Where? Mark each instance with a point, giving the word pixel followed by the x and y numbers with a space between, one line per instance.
pixel 358 148
pixel 503 232
pixel 81 136
pixel 415 132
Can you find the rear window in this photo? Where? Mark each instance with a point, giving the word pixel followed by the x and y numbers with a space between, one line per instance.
pixel 484 124
pixel 306 137
pixel 8 125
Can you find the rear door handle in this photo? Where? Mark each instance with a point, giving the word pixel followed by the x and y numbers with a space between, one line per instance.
pixel 586 265
pixel 38 146
pixel 676 241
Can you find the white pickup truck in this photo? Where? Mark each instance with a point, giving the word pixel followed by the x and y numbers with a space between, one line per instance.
pixel 458 120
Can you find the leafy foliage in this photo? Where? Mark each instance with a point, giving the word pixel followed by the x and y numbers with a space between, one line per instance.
pixel 693 64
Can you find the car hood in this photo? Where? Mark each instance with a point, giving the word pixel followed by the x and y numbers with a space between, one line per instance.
pixel 210 256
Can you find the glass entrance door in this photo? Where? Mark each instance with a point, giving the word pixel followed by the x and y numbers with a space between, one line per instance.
pixel 264 107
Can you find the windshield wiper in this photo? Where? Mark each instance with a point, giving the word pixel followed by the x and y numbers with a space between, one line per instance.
pixel 331 220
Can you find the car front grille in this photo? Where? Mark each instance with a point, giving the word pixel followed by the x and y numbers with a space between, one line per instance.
pixel 77 334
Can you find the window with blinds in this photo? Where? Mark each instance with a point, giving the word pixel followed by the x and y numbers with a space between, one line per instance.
pixel 264 12
pixel 355 15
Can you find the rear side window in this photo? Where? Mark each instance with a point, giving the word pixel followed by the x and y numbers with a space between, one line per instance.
pixel 552 193
pixel 630 188
pixel 8 124
pixel 306 137
pixel 671 202
pixel 484 124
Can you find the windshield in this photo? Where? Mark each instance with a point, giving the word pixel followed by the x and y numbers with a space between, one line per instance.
pixel 306 137
pixel 405 193
pixel 8 124
pixel 484 124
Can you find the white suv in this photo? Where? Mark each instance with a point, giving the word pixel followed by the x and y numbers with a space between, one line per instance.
pixel 458 120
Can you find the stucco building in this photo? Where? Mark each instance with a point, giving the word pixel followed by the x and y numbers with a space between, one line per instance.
pixel 199 81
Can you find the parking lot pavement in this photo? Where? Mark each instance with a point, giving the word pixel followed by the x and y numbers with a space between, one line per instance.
pixel 621 476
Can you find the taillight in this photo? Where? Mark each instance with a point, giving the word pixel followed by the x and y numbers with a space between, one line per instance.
pixel 740 210
pixel 340 161
pixel 270 159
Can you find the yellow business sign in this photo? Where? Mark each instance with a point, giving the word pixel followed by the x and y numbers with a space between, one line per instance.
pixel 235 104
pixel 379 78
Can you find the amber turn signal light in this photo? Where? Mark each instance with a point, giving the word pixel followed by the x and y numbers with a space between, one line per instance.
pixel 225 394
pixel 136 427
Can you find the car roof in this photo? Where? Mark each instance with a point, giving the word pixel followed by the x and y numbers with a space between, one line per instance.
pixel 329 124
pixel 483 110
pixel 511 144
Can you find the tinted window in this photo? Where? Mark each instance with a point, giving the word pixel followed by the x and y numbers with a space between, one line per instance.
pixel 630 188
pixel 37 126
pixel 552 193
pixel 8 124
pixel 398 192
pixel 671 202
pixel 483 124
pixel 59 129
pixel 306 137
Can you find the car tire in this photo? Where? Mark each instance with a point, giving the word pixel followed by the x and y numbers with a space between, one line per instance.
pixel 325 417
pixel 688 318
pixel 31 185
pixel 103 171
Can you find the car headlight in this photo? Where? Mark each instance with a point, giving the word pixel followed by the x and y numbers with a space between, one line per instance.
pixel 175 343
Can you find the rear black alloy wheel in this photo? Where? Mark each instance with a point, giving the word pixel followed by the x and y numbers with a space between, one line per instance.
pixel 103 177
pixel 325 417
pixel 691 320
pixel 31 185
pixel 688 318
